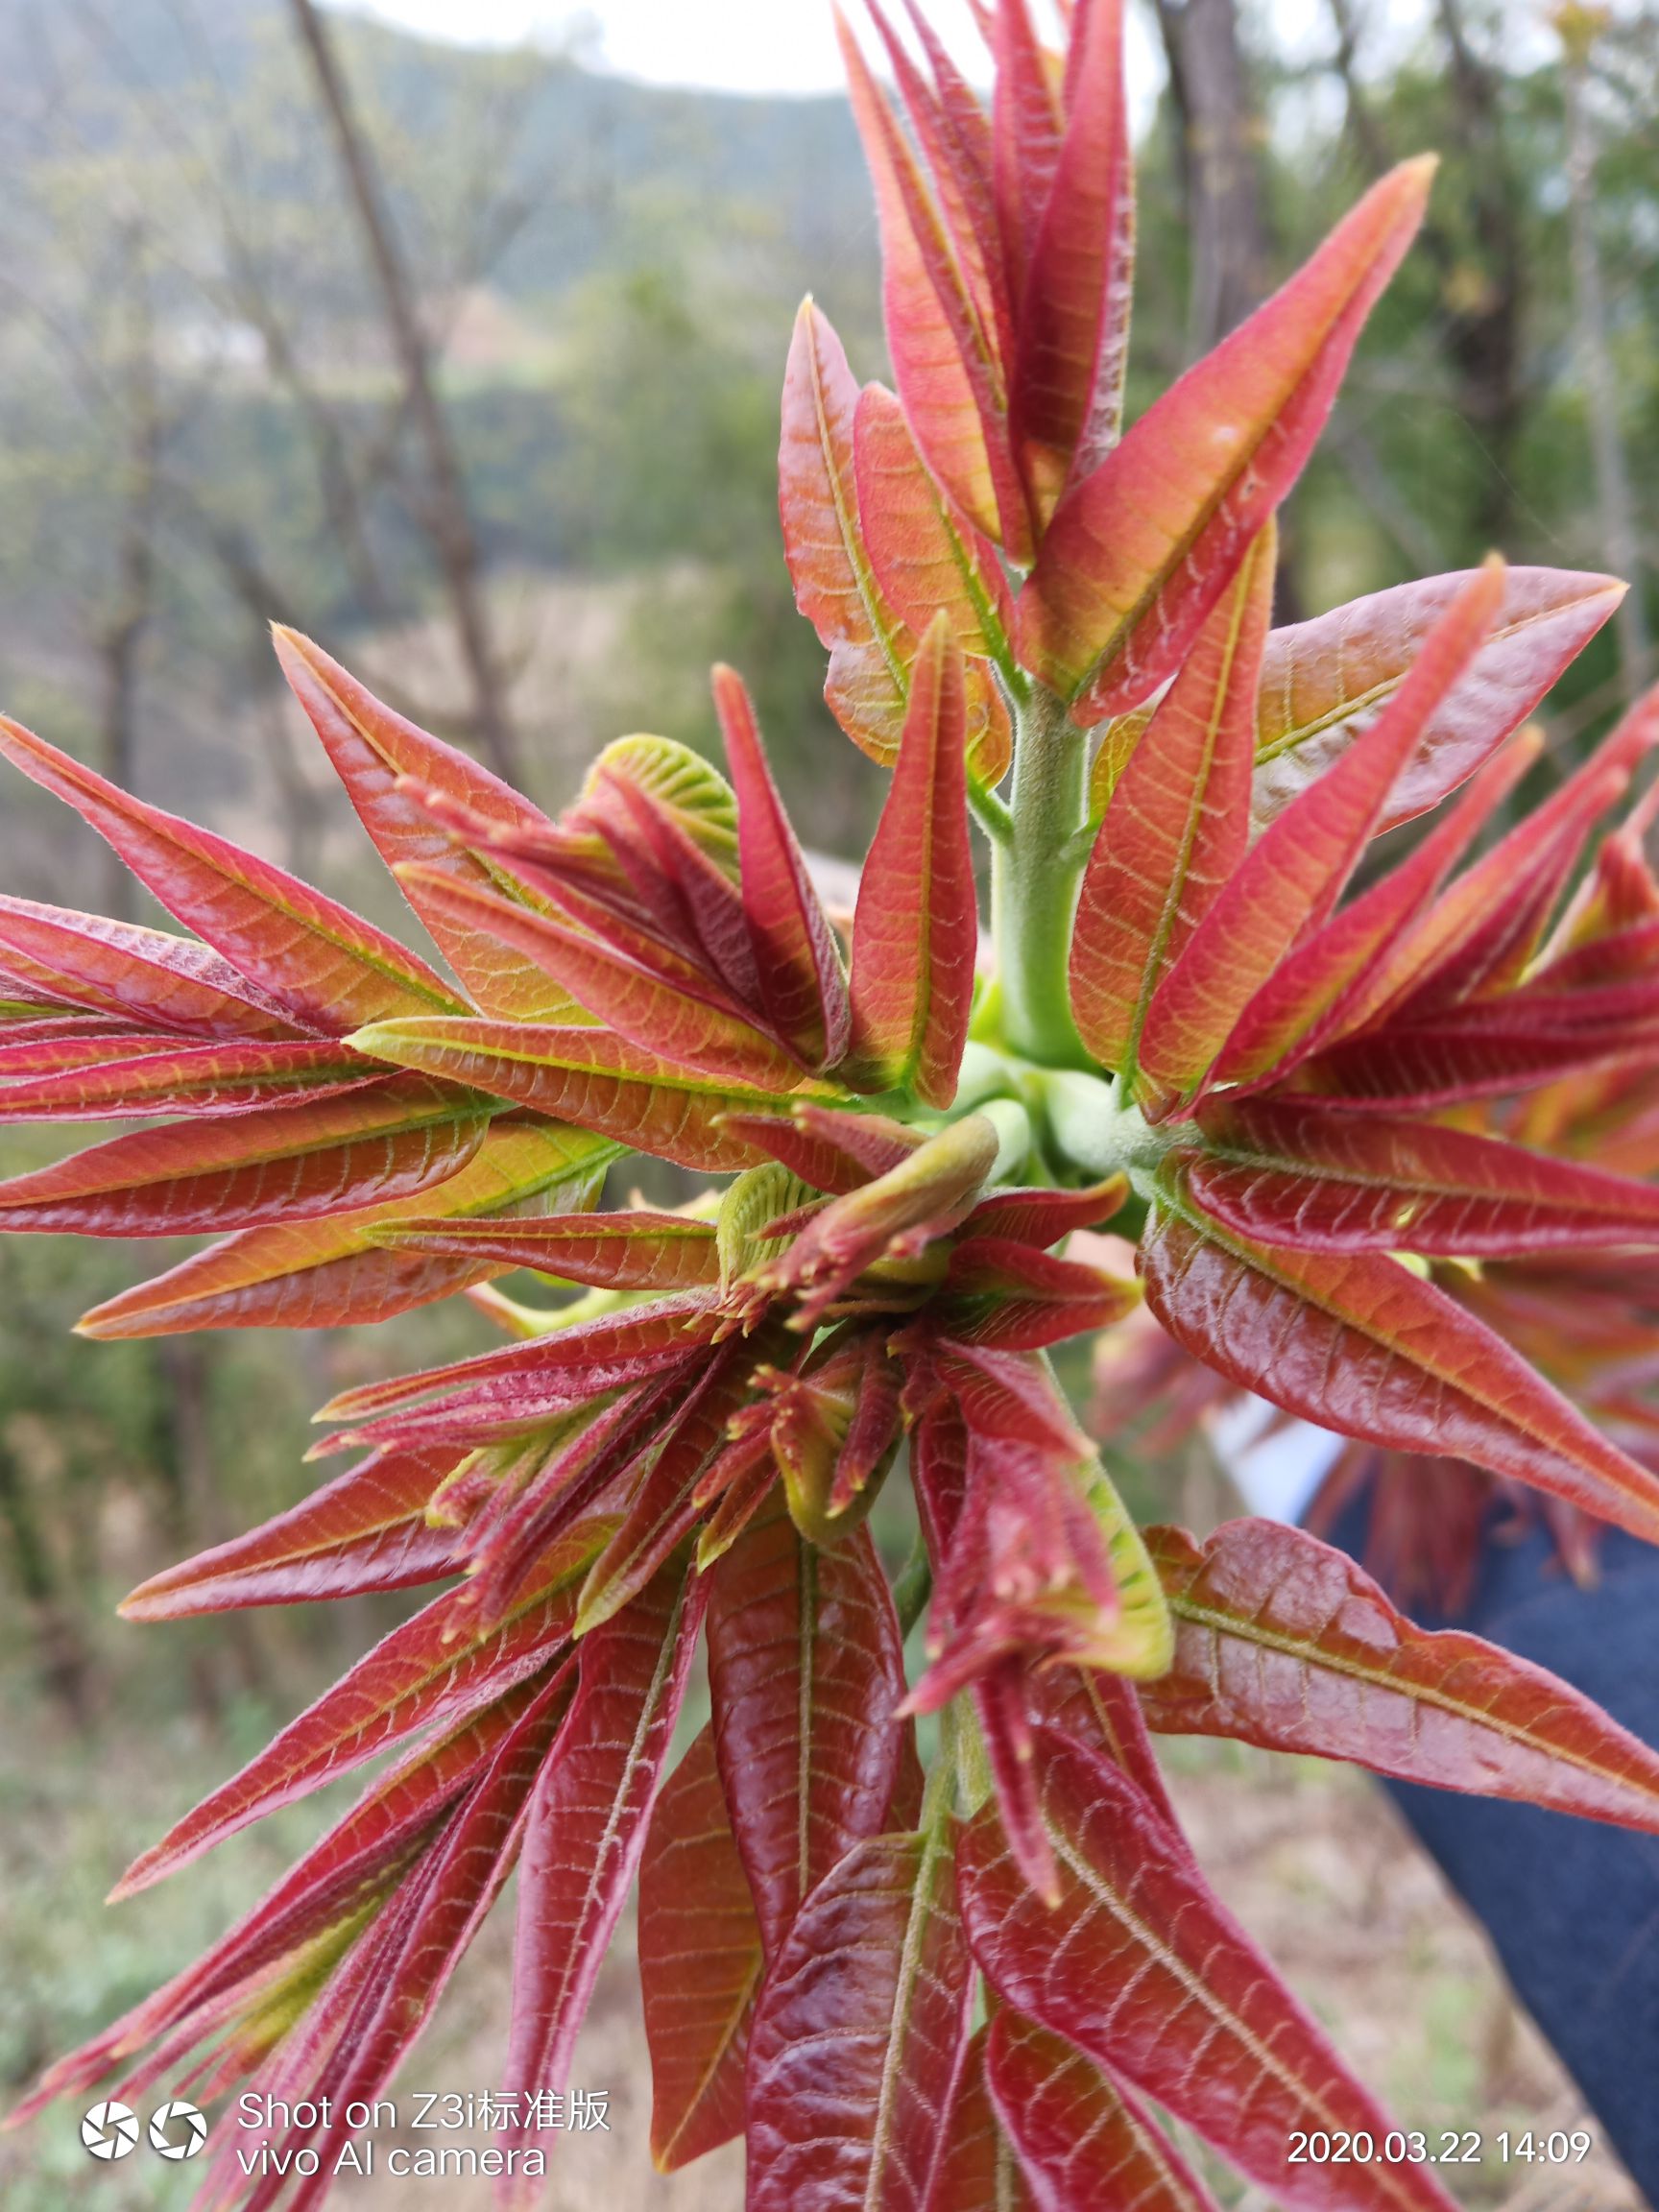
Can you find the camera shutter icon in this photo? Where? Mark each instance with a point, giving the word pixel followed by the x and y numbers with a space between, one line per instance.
pixel 110 2131
pixel 178 2130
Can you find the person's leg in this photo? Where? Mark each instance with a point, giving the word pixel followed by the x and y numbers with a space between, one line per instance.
pixel 1572 1906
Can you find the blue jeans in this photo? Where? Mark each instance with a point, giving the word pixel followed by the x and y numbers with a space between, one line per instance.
pixel 1571 1907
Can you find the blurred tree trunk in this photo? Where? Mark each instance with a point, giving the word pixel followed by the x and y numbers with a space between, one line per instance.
pixel 448 519
pixel 121 633
pixel 197 1519
pixel 63 1656
pixel 1616 518
pixel 1220 167
pixel 1220 137
pixel 1482 277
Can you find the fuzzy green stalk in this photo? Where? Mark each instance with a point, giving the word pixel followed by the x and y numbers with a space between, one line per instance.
pixel 1034 877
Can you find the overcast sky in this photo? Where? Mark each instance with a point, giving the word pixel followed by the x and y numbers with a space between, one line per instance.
pixel 747 45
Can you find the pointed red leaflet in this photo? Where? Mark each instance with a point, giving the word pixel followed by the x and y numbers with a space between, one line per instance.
pixel 655 1014
pixel 806 1670
pixel 1081 2140
pixel 925 555
pixel 436 1669
pixel 1026 122
pixel 1325 682
pixel 1286 1643
pixel 1296 871
pixel 1358 1343
pixel 589 1076
pixel 1139 552
pixel 1001 1292
pixel 324 964
pixel 977 2171
pixel 1067 385
pixel 376 753
pixel 837 1152
pixel 451 1893
pixel 700 1964
pixel 636 1250
pixel 1287 1173
pixel 136 974
pixel 802 988
pixel 1041 1218
pixel 383 1140
pixel 365 1531
pixel 331 1272
pixel 1174 830
pixel 589 1819
pixel 835 586
pixel 1312 997
pixel 915 934
pixel 945 359
pixel 1143 1969
pixel 860 2034
pixel 198 1079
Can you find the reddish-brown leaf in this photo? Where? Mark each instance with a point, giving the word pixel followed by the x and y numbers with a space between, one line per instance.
pixel 1081 2140
pixel 1358 1343
pixel 1139 552
pixel 198 1079
pixel 1141 1966
pixel 1003 1293
pixel 365 1531
pixel 945 360
pixel 634 1250
pixel 589 1819
pixel 132 973
pixel 801 986
pixel 588 1076
pixel 977 2171
pixel 381 1141
pixel 377 754
pixel 327 967
pixel 1068 386
pixel 1286 1643
pixel 805 1668
pixel 1286 1172
pixel 1041 1218
pixel 1296 871
pixel 915 934
pixel 860 2034
pixel 700 1964
pixel 1176 830
pixel 330 1272
pixel 1325 682
pixel 835 586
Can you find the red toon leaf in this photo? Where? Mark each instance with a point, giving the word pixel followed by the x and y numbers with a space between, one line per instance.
pixel 945 360
pixel 805 1671
pixel 977 2171
pixel 915 934
pixel 1325 682
pixel 132 973
pixel 860 2034
pixel 1286 1643
pixel 801 986
pixel 382 1141
pixel 589 1819
pixel 324 964
pixel 377 754
pixel 1067 385
pixel 636 1250
pixel 1139 552
pixel 700 1964
pixel 332 1271
pixel 1141 1967
pixel 365 1531
pixel 1359 1344
pixel 198 1079
pixel 1174 830
pixel 1287 1173
pixel 1080 2139
pixel 1296 871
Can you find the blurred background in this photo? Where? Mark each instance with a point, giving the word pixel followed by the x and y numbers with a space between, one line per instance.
pixel 451 331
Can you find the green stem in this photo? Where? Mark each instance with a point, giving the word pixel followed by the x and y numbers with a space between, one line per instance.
pixel 1034 877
